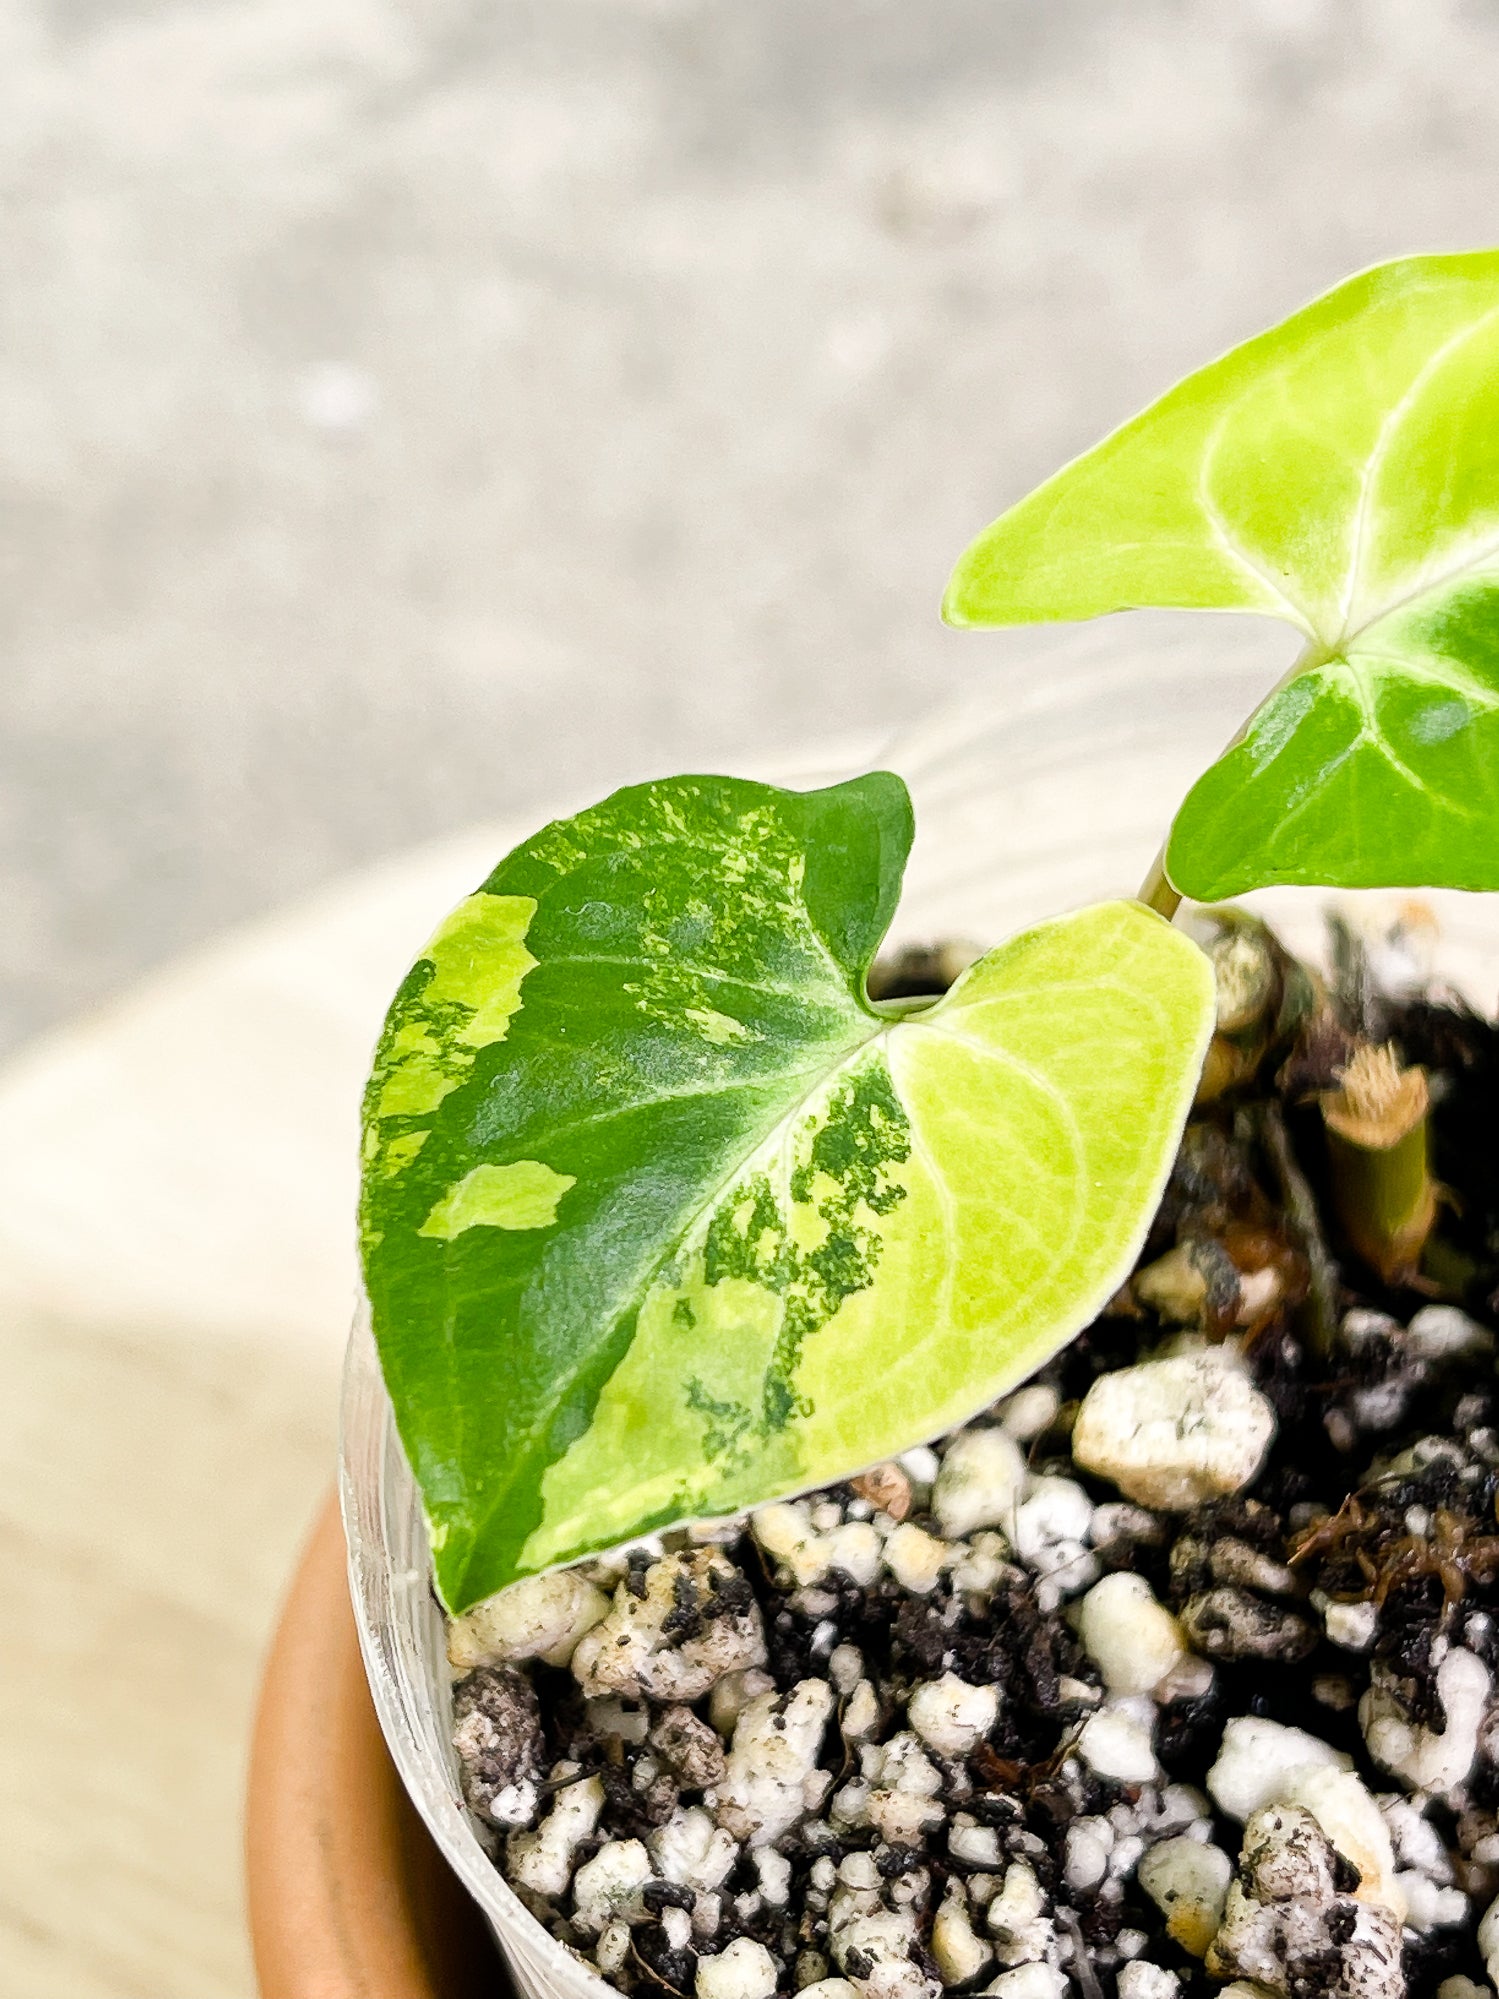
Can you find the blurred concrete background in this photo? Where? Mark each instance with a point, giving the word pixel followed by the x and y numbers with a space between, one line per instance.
pixel 411 413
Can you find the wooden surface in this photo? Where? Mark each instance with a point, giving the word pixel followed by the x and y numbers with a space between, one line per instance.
pixel 348 1896
pixel 176 1268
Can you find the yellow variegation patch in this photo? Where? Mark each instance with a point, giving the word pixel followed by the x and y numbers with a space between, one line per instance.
pixel 521 1195
pixel 478 958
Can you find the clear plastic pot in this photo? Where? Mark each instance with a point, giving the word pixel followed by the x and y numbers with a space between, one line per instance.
pixel 1051 788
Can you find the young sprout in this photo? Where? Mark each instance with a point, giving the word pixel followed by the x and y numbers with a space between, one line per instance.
pixel 1377 1149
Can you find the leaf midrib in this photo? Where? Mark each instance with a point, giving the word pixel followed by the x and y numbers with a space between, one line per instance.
pixel 1388 429
pixel 1340 666
pixel 1471 563
pixel 1256 564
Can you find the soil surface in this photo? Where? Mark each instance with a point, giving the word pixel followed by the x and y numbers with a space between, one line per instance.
pixel 1173 1674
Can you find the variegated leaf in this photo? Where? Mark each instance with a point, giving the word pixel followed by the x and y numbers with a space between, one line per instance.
pixel 662 1218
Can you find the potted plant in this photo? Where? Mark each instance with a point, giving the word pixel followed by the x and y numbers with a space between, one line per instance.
pixel 919 1505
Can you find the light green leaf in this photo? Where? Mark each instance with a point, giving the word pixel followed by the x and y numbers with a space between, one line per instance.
pixel 1340 472
pixel 690 1223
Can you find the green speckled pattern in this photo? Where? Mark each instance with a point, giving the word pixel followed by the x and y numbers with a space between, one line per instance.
pixel 692 1224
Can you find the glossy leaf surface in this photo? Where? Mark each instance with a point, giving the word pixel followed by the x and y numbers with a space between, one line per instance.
pixel 1340 472
pixel 662 1218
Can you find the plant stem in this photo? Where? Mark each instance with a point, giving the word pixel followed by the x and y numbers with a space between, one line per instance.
pixel 1156 891
pixel 1377 1148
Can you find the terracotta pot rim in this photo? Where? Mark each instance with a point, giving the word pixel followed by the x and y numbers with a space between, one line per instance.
pixel 406 1660
pixel 348 1897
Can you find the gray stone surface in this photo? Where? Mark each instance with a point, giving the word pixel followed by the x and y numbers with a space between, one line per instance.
pixel 408 413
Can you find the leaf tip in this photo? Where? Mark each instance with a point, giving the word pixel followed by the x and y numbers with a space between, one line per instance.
pixel 460 1579
pixel 957 610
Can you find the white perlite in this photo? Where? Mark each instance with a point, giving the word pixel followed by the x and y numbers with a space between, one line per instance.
pixel 732 1695
pixel 540 1617
pixel 1174 1433
pixel 980 1484
pixel 872 1946
pixel 1264 1763
pixel 1031 1981
pixel 1346 1811
pixel 845 1668
pixel 632 1653
pixel 790 1536
pixel 1421 1757
pixel 1285 1925
pixel 1052 1538
pixel 974 1844
pixel 543 1860
pixel 1147 1981
pixel 745 1970
pixel 862 1715
pixel 1133 1640
pixel 982 1563
pixel 916 1559
pixel 1188 1882
pixel 1488 1941
pixel 609 1885
pixel 1029 1411
pixel 612 1948
pixel 906 1800
pixel 785 1532
pixel 1442 1332
pixel 902 1765
pixel 1116 1743
pixel 1416 1841
pixel 1085 1859
pixel 960 1955
pixel 774 1870
pixel 854 1550
pixel 1258 1758
pixel 1429 1907
pixel 1351 1626
pixel 952 1716
pixel 773 1756
pixel 690 1850
pixel 1017 1918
